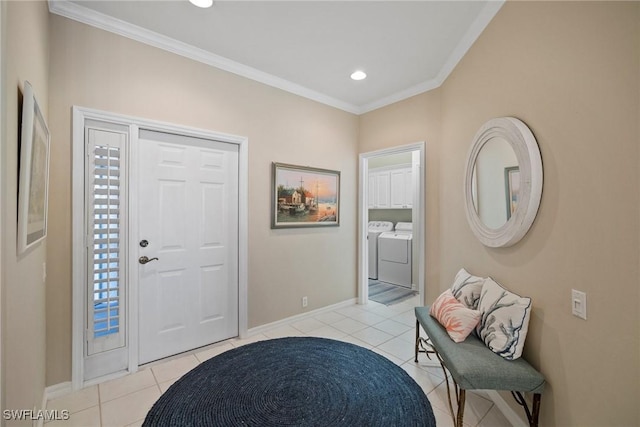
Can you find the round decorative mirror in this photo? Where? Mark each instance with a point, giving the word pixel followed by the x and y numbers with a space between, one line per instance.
pixel 503 182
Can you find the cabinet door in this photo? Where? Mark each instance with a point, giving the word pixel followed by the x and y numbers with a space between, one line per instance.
pixel 397 186
pixel 408 188
pixel 371 192
pixel 382 190
pixel 401 188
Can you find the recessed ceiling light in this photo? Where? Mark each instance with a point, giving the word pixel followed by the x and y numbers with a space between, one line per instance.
pixel 359 75
pixel 202 3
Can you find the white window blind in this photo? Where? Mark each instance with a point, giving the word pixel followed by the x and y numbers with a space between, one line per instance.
pixel 105 241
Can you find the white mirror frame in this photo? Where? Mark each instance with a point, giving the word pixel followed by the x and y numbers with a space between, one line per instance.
pixel 525 146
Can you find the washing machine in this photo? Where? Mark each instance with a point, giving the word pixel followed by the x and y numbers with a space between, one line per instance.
pixel 395 255
pixel 375 228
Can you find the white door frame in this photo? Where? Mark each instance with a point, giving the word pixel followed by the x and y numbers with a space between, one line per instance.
pixel 80 115
pixel 418 210
pixel 3 110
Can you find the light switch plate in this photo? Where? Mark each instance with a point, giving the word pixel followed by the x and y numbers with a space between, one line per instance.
pixel 579 304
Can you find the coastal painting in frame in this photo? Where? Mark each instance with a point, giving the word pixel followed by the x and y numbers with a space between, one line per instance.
pixel 34 173
pixel 304 196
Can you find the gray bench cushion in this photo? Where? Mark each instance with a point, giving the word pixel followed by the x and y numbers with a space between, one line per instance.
pixel 475 367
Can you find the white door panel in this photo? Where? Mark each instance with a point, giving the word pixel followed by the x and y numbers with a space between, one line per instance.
pixel 188 212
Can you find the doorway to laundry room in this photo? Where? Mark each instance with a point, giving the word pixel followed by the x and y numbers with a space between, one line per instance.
pixel 392 223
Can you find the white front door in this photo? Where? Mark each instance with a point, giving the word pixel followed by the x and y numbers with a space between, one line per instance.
pixel 188 229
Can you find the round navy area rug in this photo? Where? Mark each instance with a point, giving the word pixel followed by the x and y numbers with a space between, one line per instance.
pixel 294 382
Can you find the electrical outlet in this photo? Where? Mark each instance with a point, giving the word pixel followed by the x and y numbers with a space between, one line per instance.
pixel 304 302
pixel 579 304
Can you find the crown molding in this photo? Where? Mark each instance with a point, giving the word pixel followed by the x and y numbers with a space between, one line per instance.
pixel 469 38
pixel 99 20
pixel 401 96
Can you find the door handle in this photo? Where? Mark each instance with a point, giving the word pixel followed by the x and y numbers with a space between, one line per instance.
pixel 146 259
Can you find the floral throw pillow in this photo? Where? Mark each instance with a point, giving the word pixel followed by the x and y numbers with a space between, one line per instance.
pixel 505 320
pixel 457 319
pixel 466 288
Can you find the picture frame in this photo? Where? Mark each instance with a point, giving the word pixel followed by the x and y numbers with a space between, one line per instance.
pixel 512 188
pixel 33 181
pixel 303 196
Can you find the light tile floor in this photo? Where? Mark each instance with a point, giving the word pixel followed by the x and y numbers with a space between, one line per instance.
pixel 387 330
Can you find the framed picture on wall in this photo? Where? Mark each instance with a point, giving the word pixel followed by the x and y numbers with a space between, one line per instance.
pixel 33 173
pixel 512 188
pixel 303 196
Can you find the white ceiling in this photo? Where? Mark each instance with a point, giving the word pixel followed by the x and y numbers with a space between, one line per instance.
pixel 307 47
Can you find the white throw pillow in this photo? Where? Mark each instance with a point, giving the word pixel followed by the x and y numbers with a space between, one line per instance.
pixel 504 320
pixel 466 288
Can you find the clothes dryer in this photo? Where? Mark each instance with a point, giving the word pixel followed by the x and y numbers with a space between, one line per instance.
pixel 395 255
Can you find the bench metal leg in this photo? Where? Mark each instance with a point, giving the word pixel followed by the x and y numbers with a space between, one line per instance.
pixel 460 398
pixel 417 338
pixel 533 415
pixel 422 345
pixel 535 412
pixel 533 421
pixel 428 349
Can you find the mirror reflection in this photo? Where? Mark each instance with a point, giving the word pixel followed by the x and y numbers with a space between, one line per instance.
pixel 495 183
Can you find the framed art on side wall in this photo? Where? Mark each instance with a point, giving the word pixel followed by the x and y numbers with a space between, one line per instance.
pixel 303 196
pixel 34 173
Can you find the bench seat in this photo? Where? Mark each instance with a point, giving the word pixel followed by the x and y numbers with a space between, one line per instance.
pixel 473 366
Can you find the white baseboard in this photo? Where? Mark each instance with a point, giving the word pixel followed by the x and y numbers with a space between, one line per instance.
pixel 57 390
pixel 514 418
pixel 40 422
pixel 301 316
pixel 49 393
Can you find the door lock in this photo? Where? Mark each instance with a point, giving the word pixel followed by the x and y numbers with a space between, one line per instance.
pixel 146 259
pixel 144 243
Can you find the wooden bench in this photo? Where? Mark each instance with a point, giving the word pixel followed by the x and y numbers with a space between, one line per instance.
pixel 473 366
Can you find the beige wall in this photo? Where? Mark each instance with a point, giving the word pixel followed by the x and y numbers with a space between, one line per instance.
pixel 412 120
pixel 26 56
pixel 96 69
pixel 571 72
